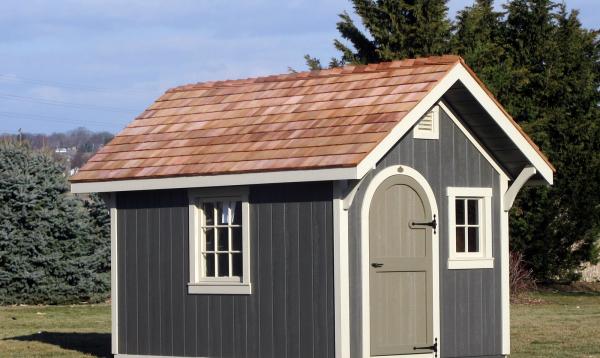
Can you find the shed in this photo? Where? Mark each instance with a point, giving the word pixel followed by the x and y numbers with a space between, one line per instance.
pixel 352 212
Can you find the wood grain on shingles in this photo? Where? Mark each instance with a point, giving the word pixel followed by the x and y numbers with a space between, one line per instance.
pixel 308 120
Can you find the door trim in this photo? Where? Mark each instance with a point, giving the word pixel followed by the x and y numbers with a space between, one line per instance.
pixel 364 252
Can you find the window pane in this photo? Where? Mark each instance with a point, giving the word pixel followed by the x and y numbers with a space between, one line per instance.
pixel 236 239
pixel 473 212
pixel 460 239
pixel 236 265
pixel 222 239
pixel 224 212
pixel 209 239
pixel 236 209
pixel 473 239
pixel 223 265
pixel 460 211
pixel 208 210
pixel 209 269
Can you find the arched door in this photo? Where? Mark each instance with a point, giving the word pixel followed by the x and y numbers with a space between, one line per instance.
pixel 401 224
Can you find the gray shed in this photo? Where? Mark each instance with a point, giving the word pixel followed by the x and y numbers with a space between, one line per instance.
pixel 360 211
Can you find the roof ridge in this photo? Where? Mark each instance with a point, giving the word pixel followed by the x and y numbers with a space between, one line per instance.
pixel 324 73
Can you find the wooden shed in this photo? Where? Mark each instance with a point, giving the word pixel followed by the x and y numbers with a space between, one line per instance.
pixel 352 212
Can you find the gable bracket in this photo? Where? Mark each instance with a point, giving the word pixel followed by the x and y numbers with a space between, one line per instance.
pixel 513 190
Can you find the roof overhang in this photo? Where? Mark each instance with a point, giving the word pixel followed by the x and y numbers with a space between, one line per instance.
pixel 288 176
pixel 460 73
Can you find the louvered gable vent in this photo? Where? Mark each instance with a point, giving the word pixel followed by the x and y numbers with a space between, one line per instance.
pixel 428 126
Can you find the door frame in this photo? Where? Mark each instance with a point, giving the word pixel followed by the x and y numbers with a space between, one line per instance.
pixel 364 256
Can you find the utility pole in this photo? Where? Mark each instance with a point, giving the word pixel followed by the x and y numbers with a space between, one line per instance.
pixel 20 136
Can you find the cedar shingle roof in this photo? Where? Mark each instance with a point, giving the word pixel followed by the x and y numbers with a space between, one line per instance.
pixel 308 120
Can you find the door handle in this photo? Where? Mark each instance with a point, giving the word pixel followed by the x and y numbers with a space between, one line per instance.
pixel 376 264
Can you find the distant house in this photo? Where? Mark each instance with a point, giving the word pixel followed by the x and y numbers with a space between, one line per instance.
pixel 352 212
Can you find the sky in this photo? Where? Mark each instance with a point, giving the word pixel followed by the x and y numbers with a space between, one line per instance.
pixel 99 63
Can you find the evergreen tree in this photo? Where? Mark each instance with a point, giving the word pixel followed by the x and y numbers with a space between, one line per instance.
pixel 50 251
pixel 556 100
pixel 396 29
pixel 543 66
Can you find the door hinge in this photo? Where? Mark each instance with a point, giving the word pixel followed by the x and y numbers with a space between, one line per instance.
pixel 433 347
pixel 432 223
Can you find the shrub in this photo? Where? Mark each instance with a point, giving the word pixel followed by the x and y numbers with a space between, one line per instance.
pixel 51 248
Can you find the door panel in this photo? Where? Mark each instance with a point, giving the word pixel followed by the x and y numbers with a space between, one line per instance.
pixel 401 300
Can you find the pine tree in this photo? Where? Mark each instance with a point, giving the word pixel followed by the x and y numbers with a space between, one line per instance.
pixel 49 250
pixel 543 66
pixel 396 29
pixel 556 100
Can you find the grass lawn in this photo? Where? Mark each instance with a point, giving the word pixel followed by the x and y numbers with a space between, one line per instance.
pixel 55 331
pixel 564 325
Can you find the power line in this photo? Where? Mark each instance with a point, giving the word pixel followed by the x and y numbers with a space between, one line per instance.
pixel 47 119
pixel 64 104
pixel 65 85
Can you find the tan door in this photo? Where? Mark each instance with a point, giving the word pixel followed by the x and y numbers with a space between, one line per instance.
pixel 401 289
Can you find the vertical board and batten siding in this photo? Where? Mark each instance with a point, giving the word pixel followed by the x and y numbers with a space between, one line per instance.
pixel 469 299
pixel 290 312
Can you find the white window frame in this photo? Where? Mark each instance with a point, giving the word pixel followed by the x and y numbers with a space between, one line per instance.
pixel 198 284
pixel 471 260
pixel 434 133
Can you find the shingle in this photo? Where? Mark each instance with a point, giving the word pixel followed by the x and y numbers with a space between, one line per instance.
pixel 319 119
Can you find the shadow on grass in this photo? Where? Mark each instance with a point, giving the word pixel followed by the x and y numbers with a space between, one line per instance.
pixel 97 344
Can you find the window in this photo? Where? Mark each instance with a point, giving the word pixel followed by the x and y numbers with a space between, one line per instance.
pixel 219 241
pixel 470 228
pixel 428 126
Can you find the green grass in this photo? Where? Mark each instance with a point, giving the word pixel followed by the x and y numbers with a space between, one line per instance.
pixel 55 331
pixel 565 325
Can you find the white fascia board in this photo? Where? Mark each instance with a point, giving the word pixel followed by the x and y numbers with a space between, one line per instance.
pixel 288 176
pixel 458 73
pixel 506 124
pixel 408 121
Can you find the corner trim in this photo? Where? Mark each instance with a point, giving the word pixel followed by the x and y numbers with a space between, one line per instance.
pixel 114 292
pixel 341 267
pixel 504 273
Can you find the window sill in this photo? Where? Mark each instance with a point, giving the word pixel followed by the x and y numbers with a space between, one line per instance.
pixel 219 288
pixel 470 263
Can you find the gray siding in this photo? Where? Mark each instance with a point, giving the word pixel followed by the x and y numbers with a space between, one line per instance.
pixel 470 299
pixel 290 312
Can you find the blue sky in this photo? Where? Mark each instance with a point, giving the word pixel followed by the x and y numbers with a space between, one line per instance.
pixel 98 63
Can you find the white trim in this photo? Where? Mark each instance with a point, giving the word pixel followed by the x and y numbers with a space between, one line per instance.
pixel 504 274
pixel 469 192
pixel 114 297
pixel 434 131
pixel 288 176
pixel 364 252
pixel 476 260
pixel 511 194
pixel 472 139
pixel 226 285
pixel 506 124
pixel 341 275
pixel 220 288
pixel 470 263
